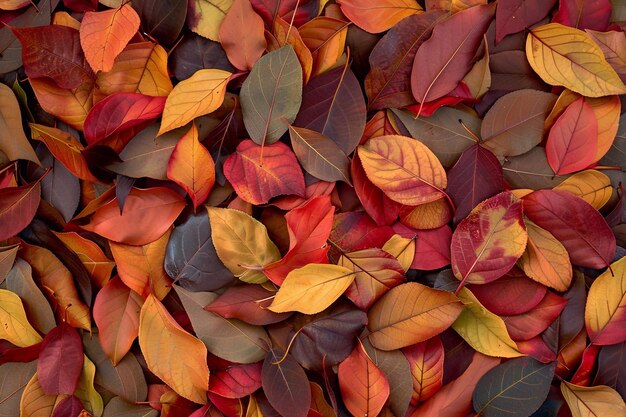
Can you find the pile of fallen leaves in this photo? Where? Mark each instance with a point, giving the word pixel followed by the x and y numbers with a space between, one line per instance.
pixel 312 208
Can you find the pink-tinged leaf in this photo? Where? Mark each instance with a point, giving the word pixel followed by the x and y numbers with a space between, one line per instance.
pixel 54 52
pixel 18 206
pixel 233 380
pixel 584 14
pixel 148 214
pixel 191 166
pixel 259 173
pixel 241 35
pixel 309 227
pixel 426 362
pixel 356 230
pixel 364 387
pixel 514 16
pixel 576 224
pixel 285 384
pixel 116 313
pixel 573 140
pixel 532 323
pixel 60 360
pixel 247 303
pixel 512 294
pixel 443 60
pixel 119 112
pixel 432 247
pixel 476 176
pixel 489 241
pixel 536 348
pixel 381 208
pixel 68 407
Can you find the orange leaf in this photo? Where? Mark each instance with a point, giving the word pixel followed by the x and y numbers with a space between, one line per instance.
pixel 242 35
pixel 70 106
pixel 103 35
pixel 171 353
pixel 326 39
pixel 426 362
pixel 192 167
pixel 376 17
pixel 282 29
pixel 90 254
pixel 364 387
pixel 147 215
pixel 427 216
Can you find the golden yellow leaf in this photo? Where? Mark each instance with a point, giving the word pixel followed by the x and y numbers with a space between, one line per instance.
pixel 312 288
pixel 242 243
pixel 205 17
pixel 326 39
pixel 565 56
pixel 35 402
pixel 592 186
pixel 171 353
pixel 253 408
pixel 64 19
pixel 85 390
pixel 546 260
pixel 427 216
pixel 598 401
pixel 200 94
pixel 483 330
pixel 403 249
pixel 14 325
pixel 521 192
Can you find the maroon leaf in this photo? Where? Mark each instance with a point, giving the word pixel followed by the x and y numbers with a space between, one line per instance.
pixel 18 206
pixel 513 16
pixel 356 230
pixel 285 384
pixel 60 361
pixel 584 14
pixel 232 380
pixel 68 407
pixel 247 303
pixel 270 9
pixel 432 247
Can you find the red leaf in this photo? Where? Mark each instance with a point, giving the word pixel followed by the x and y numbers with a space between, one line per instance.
pixel 426 362
pixel 356 230
pixel 573 140
pixel 54 52
pixel 364 387
pixel 584 14
pixel 148 213
pixel 68 407
pixel 584 372
pixel 514 16
pixel 233 380
pixel 305 10
pixel 259 173
pixel 18 206
pixel 243 302
pixel 432 247
pixel 60 361
pixel 532 323
pixel 576 224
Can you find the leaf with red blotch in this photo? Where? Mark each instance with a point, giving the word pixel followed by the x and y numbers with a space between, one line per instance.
pixel 476 176
pixel 426 362
pixel 309 227
pixel 443 60
pixel 69 406
pixel 388 84
pixel 103 35
pixel 242 36
pixel 364 387
pixel 575 223
pixel 333 105
pixel 573 140
pixel 488 242
pixel 584 14
pixel 60 360
pixel 18 206
pixel 119 112
pixel 379 16
pixel 514 16
pixel 432 247
pixel 192 167
pixel 532 323
pixel 148 214
pixel 260 173
pixel 233 380
pixel 54 52
pixel 247 303
pixel 116 313
pixel 285 384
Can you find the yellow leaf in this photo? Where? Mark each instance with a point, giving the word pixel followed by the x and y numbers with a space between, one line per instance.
pixel 598 401
pixel 565 56
pixel 253 408
pixel 171 353
pixel 200 94
pixel 242 243
pixel 427 216
pixel 592 186
pixel 14 325
pixel 312 288
pixel 404 169
pixel 35 402
pixel 483 330
pixel 546 260
pixel 205 17
pixel 85 390
pixel 403 249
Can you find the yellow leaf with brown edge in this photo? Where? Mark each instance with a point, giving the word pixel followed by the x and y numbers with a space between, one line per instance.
pixel 427 216
pixel 70 106
pixel 141 268
pixel 14 325
pixel 411 313
pixel 200 94
pixel 140 68
pixel 402 248
pixel 598 401
pixel 242 244
pixel 404 169
pixel 312 288
pixel 171 353
pixel 285 34
pixel 57 285
pixel 566 56
pixel 483 330
pixel 592 186
pixel 546 260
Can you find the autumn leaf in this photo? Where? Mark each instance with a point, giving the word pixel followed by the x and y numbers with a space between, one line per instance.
pixel 379 17
pixel 60 361
pixel 426 362
pixel 13 143
pixel 592 186
pixel 18 206
pixel 241 35
pixel 15 326
pixel 589 401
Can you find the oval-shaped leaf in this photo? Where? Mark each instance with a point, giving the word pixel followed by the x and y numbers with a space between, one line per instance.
pixel 426 362
pixel 18 206
pixel 241 34
pixel 593 401
pixel 285 384
pixel 60 361
pixel 14 325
